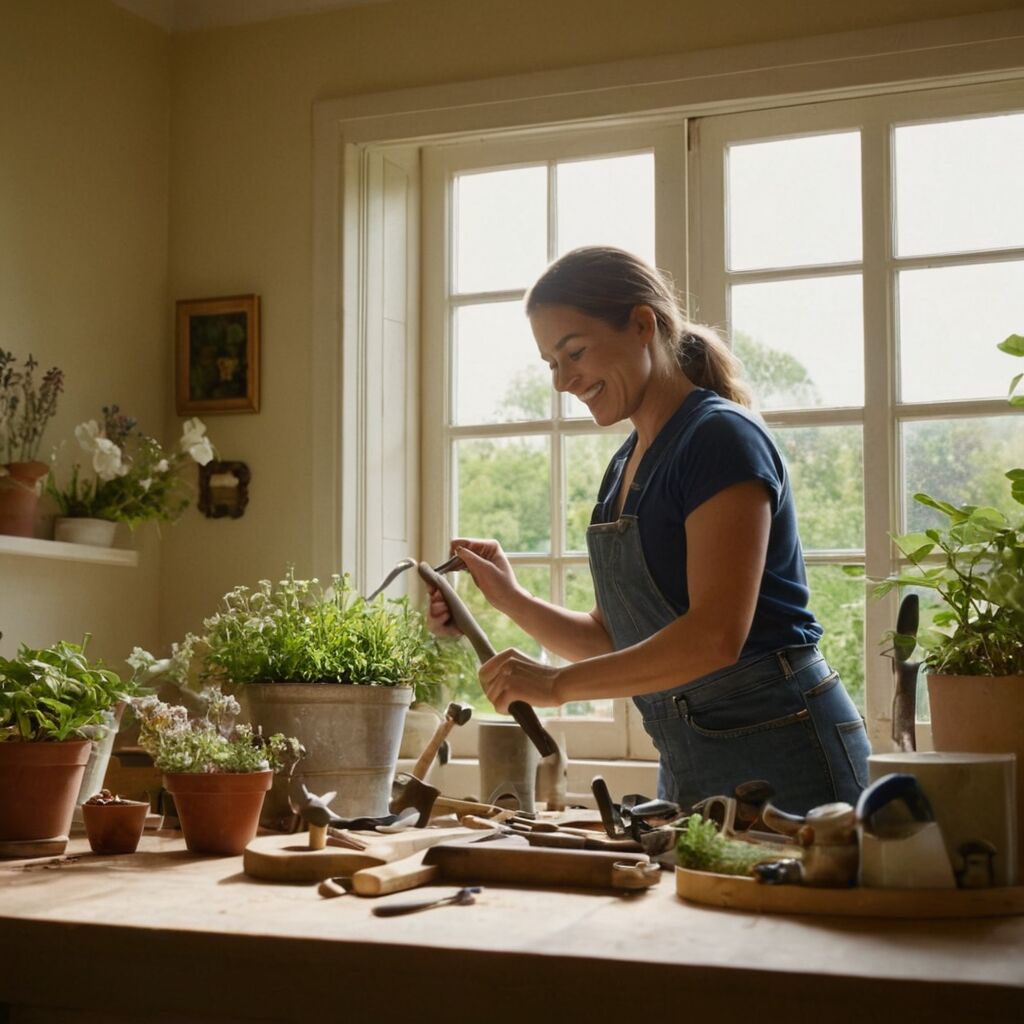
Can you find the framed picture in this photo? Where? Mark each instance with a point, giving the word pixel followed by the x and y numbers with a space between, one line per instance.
pixel 224 489
pixel 218 355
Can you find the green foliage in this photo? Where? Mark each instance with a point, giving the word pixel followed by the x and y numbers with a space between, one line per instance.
pixel 974 563
pixel 701 847
pixel 56 694
pixel 299 631
pixel 212 743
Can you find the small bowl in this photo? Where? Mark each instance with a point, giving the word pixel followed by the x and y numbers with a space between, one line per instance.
pixel 115 828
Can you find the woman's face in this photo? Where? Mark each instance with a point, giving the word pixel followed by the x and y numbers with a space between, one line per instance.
pixel 606 368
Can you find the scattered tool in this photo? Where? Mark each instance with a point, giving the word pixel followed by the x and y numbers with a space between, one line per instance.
pixel 460 899
pixel 522 712
pixel 904 700
pixel 412 791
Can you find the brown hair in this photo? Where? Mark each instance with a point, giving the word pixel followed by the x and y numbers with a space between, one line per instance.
pixel 608 284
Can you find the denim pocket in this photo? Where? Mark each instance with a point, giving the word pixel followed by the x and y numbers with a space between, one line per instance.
pixel 854 738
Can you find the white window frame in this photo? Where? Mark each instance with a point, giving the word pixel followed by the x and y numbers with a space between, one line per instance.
pixel 351 136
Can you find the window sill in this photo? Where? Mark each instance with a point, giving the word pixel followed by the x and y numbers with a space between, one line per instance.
pixel 460 778
pixel 33 548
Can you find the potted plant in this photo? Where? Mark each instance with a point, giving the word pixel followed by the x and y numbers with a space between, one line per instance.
pixel 974 653
pixel 133 479
pixel 217 771
pixel 320 663
pixel 25 409
pixel 53 704
pixel 113 825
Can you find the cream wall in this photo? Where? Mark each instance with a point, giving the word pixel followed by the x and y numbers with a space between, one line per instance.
pixel 241 198
pixel 84 101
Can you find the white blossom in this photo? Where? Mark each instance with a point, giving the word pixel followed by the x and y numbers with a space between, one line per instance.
pixel 88 434
pixel 106 459
pixel 195 442
pixel 162 466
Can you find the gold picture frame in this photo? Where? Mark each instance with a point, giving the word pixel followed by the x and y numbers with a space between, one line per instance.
pixel 218 355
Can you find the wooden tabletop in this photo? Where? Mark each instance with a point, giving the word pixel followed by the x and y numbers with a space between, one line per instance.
pixel 193 938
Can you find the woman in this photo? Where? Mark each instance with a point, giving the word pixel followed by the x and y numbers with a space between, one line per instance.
pixel 701 592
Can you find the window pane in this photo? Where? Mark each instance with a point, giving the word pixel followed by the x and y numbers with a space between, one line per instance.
pixel 499 377
pixel 801 341
pixel 579 596
pixel 607 202
pixel 500 228
pixel 827 477
pixel 958 185
pixel 837 601
pixel 499 629
pixel 586 458
pixel 794 202
pixel 950 321
pixel 504 491
pixel 962 462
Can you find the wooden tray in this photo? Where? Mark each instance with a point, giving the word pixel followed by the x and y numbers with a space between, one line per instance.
pixel 740 893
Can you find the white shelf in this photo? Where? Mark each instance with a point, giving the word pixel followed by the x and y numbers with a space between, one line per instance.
pixel 33 548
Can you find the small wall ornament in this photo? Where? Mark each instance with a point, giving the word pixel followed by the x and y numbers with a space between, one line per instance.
pixel 223 489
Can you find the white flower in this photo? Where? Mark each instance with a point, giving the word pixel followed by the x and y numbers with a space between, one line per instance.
pixel 195 442
pixel 88 434
pixel 145 484
pixel 162 466
pixel 106 459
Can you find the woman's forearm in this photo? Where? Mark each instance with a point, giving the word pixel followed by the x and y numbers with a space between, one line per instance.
pixel 571 635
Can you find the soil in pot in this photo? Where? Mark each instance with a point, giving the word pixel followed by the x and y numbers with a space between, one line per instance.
pixel 38 786
pixel 113 825
pixel 219 812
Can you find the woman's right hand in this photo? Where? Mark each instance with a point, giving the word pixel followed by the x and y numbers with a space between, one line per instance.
pixel 491 572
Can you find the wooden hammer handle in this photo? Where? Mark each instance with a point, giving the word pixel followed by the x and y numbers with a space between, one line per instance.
pixel 522 712
pixel 426 759
pixel 397 876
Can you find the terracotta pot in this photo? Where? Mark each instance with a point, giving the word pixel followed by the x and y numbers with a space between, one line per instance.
pixel 982 715
pixel 84 530
pixel 115 828
pixel 20 488
pixel 38 785
pixel 219 811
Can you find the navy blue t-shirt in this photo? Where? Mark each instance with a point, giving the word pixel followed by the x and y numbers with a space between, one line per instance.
pixel 710 444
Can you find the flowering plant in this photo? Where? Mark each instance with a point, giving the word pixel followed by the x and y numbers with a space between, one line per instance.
pixel 211 743
pixel 25 409
pixel 134 479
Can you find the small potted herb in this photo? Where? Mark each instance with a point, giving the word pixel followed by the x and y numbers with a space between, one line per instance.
pixel 113 825
pixel 53 703
pixel 217 771
pixel 133 478
pixel 26 406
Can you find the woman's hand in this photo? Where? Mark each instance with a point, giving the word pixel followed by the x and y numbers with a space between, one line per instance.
pixel 512 676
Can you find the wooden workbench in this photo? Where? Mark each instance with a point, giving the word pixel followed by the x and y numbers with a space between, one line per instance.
pixel 167 936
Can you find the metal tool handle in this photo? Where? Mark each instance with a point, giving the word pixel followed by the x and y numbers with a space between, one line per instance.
pixel 522 712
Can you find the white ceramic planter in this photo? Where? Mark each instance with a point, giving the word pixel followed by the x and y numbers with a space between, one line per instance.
pixel 80 530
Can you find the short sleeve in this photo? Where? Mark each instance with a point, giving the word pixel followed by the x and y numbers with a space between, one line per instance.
pixel 727 448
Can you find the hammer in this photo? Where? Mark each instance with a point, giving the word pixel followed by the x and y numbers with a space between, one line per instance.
pixel 413 790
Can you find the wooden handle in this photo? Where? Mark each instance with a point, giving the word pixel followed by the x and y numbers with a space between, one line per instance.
pixel 329 889
pixel 426 760
pixel 522 712
pixel 397 876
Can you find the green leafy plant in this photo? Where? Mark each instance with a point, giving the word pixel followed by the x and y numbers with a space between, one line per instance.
pixel 55 693
pixel 210 743
pixel 133 478
pixel 701 847
pixel 975 564
pixel 297 630
pixel 25 408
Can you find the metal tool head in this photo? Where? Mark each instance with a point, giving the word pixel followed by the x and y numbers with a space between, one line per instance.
pixel 408 791
pixel 460 714
pixel 315 810
pixel 400 567
pixel 907 621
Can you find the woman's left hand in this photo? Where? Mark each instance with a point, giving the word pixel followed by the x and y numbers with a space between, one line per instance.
pixel 511 676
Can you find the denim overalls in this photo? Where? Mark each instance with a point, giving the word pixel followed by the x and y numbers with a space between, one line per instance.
pixel 783 716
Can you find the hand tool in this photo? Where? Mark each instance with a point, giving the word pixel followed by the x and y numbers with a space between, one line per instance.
pixel 453 564
pixel 461 898
pixel 904 700
pixel 510 859
pixel 412 790
pixel 522 712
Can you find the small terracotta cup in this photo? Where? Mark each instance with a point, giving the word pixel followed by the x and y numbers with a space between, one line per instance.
pixel 115 828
